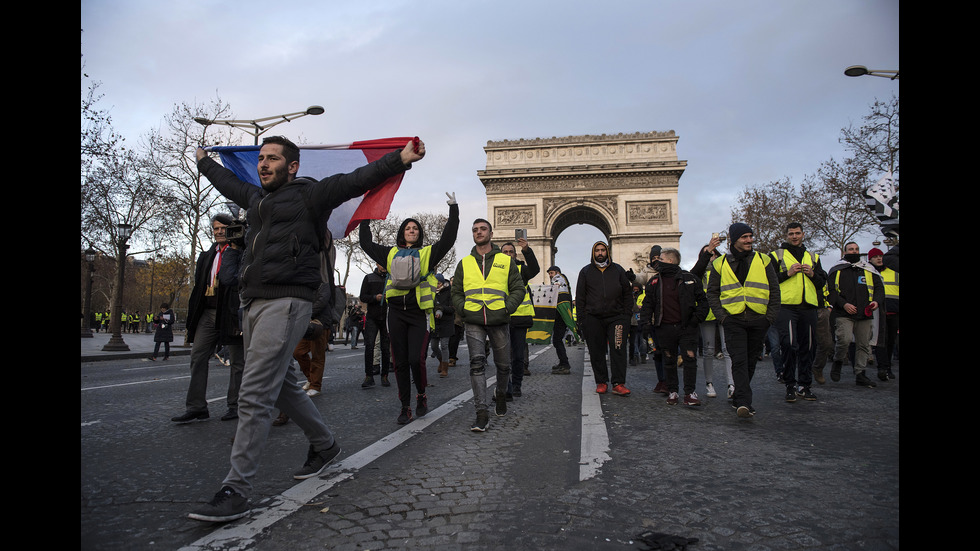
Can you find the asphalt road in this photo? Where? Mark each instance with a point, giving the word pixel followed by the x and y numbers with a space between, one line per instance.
pixel 805 475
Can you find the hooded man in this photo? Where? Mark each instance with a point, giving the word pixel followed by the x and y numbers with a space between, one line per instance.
pixel 855 291
pixel 604 301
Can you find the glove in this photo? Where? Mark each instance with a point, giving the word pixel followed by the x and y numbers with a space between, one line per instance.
pixel 452 198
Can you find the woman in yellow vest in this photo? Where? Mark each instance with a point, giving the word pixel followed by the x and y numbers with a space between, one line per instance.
pixel 410 305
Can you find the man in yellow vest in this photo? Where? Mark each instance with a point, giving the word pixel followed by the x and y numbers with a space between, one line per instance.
pixel 487 289
pixel 743 294
pixel 856 292
pixel 888 336
pixel 800 278
pixel 523 318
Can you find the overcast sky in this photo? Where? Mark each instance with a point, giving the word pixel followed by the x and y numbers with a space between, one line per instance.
pixel 754 89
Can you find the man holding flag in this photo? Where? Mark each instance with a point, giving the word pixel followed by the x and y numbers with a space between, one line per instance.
pixel 287 218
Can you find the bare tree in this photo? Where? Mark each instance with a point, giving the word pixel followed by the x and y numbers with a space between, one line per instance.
pixel 834 207
pixel 874 144
pixel 768 209
pixel 170 152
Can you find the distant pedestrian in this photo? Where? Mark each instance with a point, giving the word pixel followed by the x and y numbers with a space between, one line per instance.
pixel 164 321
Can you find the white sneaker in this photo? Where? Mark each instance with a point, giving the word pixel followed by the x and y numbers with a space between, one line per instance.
pixel 710 390
pixel 306 386
pixel 731 391
pixel 312 392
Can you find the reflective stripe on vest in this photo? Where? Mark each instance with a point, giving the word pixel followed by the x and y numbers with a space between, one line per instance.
pixel 527 306
pixel 489 292
pixel 754 293
pixel 890 278
pixel 704 285
pixel 425 291
pixel 798 288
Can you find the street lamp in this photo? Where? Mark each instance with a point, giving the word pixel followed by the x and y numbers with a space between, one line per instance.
pixel 254 128
pixel 116 342
pixel 861 70
pixel 87 305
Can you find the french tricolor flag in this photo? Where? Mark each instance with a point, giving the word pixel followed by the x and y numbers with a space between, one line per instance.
pixel 321 161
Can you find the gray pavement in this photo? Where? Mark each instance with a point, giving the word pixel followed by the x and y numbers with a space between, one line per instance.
pixel 804 475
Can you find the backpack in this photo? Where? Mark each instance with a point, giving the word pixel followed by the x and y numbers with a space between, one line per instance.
pixel 405 271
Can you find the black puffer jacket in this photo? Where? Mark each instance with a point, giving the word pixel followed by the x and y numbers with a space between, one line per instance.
pixel 282 243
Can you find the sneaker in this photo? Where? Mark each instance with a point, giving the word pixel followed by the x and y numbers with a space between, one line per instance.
pixel 862 380
pixel 601 388
pixel 190 416
pixel 779 379
pixel 731 391
pixel 692 399
pixel 422 405
pixel 882 375
pixel 890 374
pixel 672 399
pixel 500 399
pixel 482 420
pixel 405 417
pixel 316 461
pixel 808 395
pixel 745 412
pixel 661 388
pixel 384 380
pixel 719 355
pixel 790 394
pixel 369 381
pixel 561 369
pixel 517 391
pixel 306 386
pixel 281 420
pixel 709 390
pixel 230 414
pixel 312 392
pixel 620 390
pixel 226 505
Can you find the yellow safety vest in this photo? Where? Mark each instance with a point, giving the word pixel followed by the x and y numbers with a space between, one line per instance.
pixel 704 285
pixel 527 305
pixel 799 288
pixel 425 290
pixel 890 278
pixel 754 293
pixel 489 292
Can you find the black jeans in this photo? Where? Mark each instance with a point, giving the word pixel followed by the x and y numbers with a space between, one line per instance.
pixel 797 339
pixel 745 340
pixel 376 329
pixel 612 334
pixel 674 340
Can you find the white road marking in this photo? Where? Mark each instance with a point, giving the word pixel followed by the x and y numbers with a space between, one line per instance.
pixel 595 438
pixel 241 534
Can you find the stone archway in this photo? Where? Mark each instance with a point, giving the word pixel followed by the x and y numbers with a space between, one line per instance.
pixel 625 185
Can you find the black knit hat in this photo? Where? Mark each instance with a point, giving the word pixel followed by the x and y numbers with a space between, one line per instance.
pixel 738 229
pixel 654 251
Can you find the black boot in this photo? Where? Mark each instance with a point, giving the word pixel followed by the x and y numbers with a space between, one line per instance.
pixel 835 371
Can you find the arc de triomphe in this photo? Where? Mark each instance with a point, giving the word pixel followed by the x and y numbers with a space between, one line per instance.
pixel 625 185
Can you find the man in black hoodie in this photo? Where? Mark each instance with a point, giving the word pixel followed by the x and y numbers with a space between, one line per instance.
pixel 675 304
pixel 855 291
pixel 800 278
pixel 604 301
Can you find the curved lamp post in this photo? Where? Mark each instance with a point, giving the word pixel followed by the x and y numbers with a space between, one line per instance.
pixel 256 127
pixel 861 70
pixel 116 342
